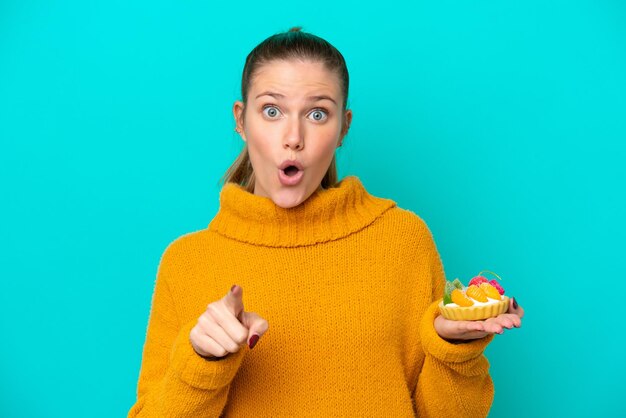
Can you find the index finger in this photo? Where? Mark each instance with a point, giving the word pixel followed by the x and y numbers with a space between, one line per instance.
pixel 233 300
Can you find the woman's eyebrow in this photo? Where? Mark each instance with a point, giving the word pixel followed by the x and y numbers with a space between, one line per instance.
pixel 310 98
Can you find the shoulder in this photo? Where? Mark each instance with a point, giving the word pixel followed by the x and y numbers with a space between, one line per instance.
pixel 407 218
pixel 407 229
pixel 185 247
pixel 404 224
pixel 393 215
pixel 406 221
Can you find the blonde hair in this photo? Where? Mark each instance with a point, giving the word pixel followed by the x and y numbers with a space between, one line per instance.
pixel 287 45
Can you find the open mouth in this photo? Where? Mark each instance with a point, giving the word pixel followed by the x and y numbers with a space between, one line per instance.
pixel 290 171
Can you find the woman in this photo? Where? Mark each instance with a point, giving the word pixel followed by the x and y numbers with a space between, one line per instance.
pixel 348 281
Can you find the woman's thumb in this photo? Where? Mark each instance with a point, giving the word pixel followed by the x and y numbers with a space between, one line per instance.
pixel 256 325
pixel 515 308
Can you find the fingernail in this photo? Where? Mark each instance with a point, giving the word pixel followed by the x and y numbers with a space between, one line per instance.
pixel 232 289
pixel 514 303
pixel 253 341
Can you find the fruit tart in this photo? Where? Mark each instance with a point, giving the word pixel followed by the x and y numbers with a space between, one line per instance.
pixel 480 299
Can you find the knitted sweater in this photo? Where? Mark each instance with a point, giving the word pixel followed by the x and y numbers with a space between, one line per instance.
pixel 348 283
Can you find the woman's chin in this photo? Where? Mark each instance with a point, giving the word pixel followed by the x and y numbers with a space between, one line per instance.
pixel 289 198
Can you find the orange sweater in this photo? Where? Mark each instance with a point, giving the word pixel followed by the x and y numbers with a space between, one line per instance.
pixel 347 282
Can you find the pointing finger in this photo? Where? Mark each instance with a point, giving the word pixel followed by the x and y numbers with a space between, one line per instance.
pixel 234 301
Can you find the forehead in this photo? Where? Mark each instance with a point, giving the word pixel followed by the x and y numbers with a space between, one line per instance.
pixel 295 78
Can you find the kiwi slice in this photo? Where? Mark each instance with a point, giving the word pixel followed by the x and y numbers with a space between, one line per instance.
pixel 447 291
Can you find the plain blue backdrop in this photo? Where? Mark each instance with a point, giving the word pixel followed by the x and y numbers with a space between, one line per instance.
pixel 501 123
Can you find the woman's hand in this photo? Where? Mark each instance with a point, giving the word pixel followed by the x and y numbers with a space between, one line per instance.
pixel 225 326
pixel 470 330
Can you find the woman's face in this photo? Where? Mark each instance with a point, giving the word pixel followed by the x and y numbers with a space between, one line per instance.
pixel 293 113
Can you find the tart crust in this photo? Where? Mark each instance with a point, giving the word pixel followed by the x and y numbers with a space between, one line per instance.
pixel 474 313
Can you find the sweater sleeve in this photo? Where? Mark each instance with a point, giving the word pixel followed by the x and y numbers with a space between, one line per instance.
pixel 174 381
pixel 454 379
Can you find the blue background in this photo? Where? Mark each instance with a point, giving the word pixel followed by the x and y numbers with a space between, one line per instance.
pixel 501 123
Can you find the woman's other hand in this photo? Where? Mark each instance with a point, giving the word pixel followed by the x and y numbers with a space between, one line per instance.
pixel 224 327
pixel 470 330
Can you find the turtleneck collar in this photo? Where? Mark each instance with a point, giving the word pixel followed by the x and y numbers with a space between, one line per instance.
pixel 328 214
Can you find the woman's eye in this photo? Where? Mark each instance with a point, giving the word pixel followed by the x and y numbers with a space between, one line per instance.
pixel 270 111
pixel 319 114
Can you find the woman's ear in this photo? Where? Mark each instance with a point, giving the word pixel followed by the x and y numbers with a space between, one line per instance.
pixel 347 120
pixel 238 111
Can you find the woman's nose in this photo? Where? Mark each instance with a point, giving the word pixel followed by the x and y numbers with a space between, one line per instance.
pixel 294 138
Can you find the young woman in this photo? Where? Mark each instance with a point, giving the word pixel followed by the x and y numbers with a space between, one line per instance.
pixel 349 282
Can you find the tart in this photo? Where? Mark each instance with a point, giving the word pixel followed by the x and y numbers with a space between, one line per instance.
pixel 480 299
